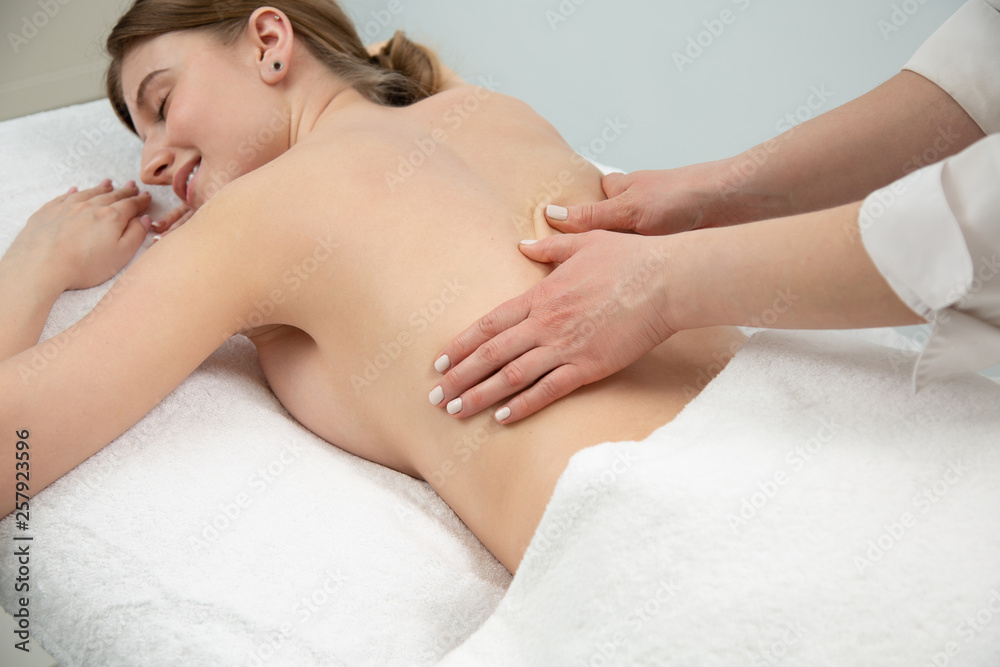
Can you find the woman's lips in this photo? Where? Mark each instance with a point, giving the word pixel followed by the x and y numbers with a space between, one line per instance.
pixel 183 187
pixel 190 187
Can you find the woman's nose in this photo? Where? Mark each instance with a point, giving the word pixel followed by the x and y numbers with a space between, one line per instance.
pixel 156 167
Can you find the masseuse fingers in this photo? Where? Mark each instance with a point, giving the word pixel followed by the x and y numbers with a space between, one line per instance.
pixel 615 183
pixel 607 214
pixel 503 317
pixel 510 313
pixel 554 249
pixel 481 364
pixel 560 382
pixel 519 374
pixel 616 212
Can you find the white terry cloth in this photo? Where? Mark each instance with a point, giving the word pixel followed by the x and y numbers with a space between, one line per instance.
pixel 805 509
pixel 218 531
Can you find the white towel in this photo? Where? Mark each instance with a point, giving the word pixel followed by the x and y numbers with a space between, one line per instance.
pixel 803 510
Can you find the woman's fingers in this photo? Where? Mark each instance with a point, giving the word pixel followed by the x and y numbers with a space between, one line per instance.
pixel 132 238
pixel 114 195
pixel 133 206
pixel 175 218
pixel 63 197
pixel 127 200
pixel 183 219
pixel 85 195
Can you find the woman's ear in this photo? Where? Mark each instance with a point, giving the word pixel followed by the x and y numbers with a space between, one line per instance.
pixel 270 32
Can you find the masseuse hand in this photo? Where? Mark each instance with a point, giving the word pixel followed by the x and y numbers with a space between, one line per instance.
pixel 651 203
pixel 82 238
pixel 599 311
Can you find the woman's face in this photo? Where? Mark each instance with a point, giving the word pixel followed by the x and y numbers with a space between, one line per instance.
pixel 203 111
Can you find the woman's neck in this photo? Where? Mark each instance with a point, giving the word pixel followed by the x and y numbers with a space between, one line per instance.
pixel 321 99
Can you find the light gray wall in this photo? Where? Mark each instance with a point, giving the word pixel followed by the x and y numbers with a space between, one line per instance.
pixel 615 60
pixel 51 53
pixel 580 63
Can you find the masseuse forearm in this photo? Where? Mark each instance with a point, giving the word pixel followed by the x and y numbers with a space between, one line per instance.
pixel 808 271
pixel 843 155
pixel 25 303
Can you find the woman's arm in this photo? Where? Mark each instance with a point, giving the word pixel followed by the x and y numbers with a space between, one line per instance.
pixel 167 313
pixel 77 240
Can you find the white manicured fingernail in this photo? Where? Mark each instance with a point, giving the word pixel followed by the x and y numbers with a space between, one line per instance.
pixel 442 364
pixel 502 414
pixel 529 242
pixel 157 238
pixel 455 406
pixel 436 396
pixel 556 212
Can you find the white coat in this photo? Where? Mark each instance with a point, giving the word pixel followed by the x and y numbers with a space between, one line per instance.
pixel 935 234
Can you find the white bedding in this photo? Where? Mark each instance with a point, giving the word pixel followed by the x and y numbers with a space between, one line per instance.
pixel 321 558
pixel 805 509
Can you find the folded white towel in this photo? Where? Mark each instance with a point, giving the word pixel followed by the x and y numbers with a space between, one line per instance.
pixel 803 510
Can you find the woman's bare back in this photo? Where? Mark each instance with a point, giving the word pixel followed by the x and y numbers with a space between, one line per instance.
pixel 373 285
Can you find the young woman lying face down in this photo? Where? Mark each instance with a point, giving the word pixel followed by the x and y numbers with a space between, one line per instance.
pixel 371 210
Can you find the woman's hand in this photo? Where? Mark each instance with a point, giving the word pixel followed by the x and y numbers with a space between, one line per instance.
pixel 652 203
pixel 602 309
pixel 172 221
pixel 83 238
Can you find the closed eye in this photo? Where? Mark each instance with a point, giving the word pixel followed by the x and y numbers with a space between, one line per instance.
pixel 161 112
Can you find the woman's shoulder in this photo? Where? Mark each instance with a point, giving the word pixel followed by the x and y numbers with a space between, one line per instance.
pixel 482 103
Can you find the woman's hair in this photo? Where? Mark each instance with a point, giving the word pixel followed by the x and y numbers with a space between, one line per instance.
pixel 400 74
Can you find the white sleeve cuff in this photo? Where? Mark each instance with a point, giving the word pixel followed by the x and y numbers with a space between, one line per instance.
pixel 912 236
pixel 935 237
pixel 962 58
